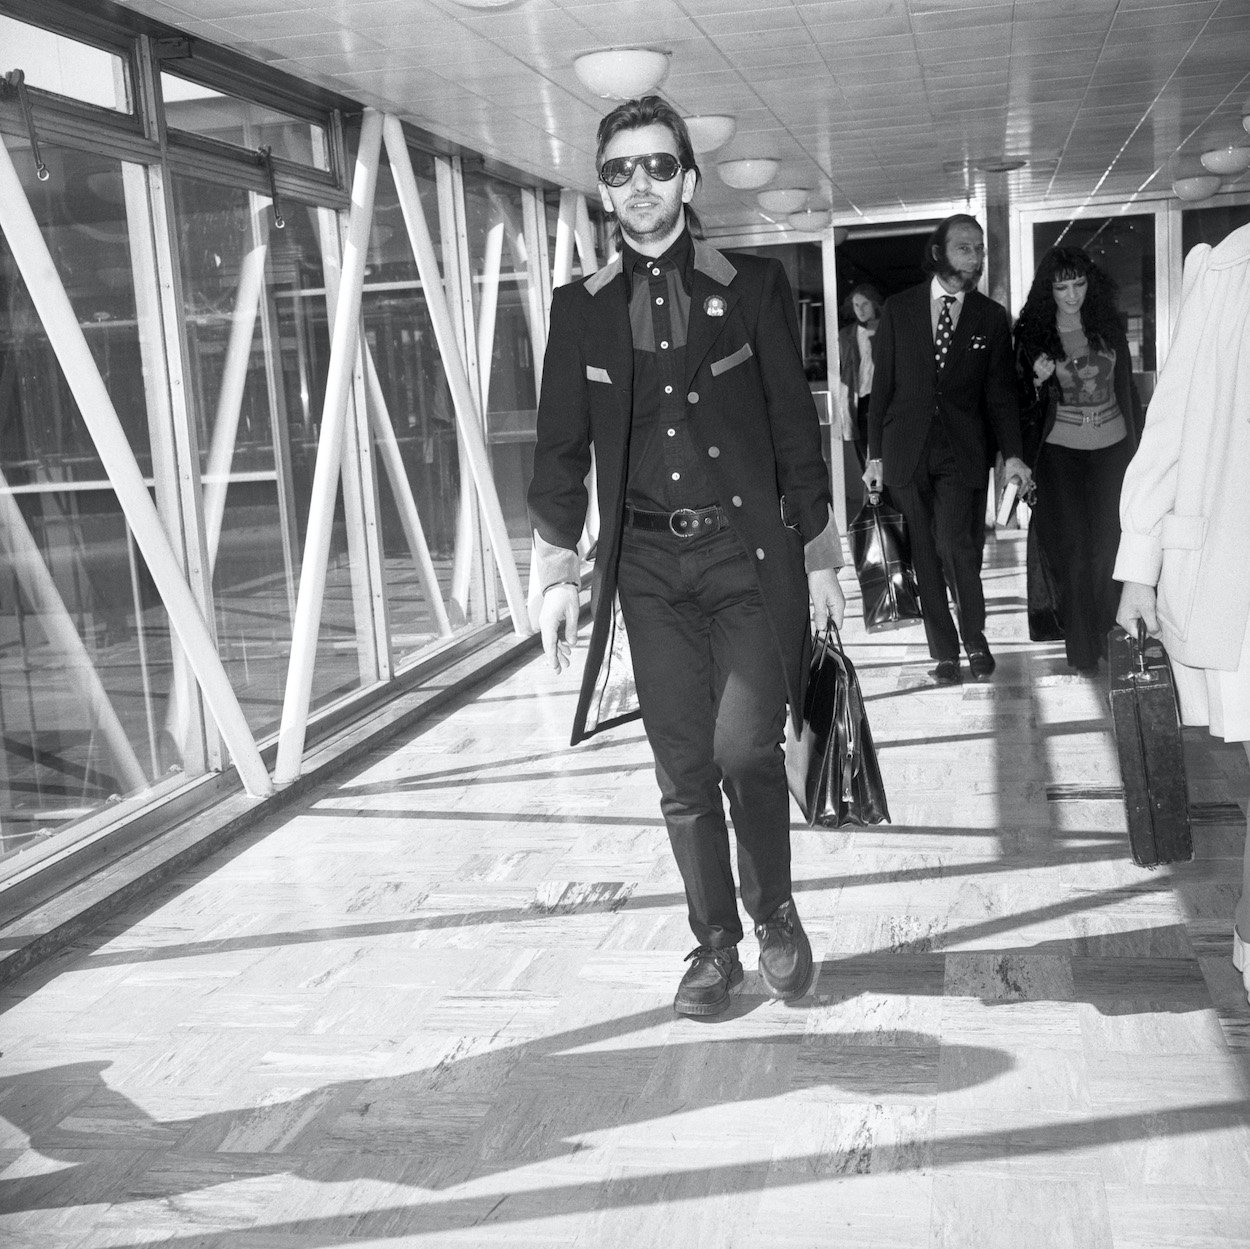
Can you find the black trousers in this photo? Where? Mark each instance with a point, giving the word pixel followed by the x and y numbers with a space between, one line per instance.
pixel 713 702
pixel 861 429
pixel 946 524
pixel 1078 525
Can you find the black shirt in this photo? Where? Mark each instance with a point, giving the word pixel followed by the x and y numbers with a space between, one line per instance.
pixel 665 470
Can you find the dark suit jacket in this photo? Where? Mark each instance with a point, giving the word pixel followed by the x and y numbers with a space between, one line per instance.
pixel 975 394
pixel 751 412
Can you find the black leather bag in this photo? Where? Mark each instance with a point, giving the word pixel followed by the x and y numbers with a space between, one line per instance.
pixel 832 765
pixel 882 556
pixel 1146 724
pixel 1043 595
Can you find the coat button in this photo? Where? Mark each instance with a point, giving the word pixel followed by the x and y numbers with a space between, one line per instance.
pixel 736 500
pixel 693 397
pixel 759 552
pixel 713 452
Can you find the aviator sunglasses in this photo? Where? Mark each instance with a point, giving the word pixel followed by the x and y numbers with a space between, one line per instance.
pixel 660 167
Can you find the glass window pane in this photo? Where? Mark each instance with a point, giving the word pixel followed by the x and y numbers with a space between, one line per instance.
pixel 241 123
pixel 1211 225
pixel 257 329
pixel 509 335
pixel 86 664
pixel 64 66
pixel 1124 248
pixel 418 463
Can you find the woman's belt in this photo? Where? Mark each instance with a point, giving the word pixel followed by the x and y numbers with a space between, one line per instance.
pixel 1101 415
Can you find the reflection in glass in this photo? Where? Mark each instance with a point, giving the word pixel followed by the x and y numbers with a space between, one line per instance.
pixel 65 66
pixel 259 346
pixel 241 123
pixel 422 423
pixel 85 652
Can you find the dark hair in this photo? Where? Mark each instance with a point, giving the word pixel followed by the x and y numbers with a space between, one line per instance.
pixel 651 110
pixel 935 245
pixel 870 293
pixel 1036 328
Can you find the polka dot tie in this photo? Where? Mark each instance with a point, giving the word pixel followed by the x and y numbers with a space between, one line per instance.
pixel 945 328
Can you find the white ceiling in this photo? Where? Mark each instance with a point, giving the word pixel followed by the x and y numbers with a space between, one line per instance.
pixel 877 106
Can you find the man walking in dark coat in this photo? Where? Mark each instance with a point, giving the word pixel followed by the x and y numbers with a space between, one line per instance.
pixel 943 377
pixel 681 367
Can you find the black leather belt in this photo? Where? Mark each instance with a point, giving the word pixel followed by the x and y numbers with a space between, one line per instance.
pixel 686 522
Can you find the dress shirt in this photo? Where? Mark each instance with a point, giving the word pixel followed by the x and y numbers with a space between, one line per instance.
pixel 936 291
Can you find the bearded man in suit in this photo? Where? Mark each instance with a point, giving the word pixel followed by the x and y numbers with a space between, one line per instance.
pixel 681 367
pixel 943 381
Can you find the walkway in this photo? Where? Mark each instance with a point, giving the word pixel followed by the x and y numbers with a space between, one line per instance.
pixel 432 1006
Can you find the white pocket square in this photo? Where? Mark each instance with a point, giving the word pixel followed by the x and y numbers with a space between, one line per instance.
pixel 978 342
pixel 595 374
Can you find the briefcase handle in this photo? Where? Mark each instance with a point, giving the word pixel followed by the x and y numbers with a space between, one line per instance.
pixel 1139 647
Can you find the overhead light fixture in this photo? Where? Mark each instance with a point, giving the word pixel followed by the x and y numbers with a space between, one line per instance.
pixel 1000 164
pixel 811 219
pixel 748 174
pixel 710 131
pixel 622 73
pixel 1230 159
pixel 783 201
pixel 1200 186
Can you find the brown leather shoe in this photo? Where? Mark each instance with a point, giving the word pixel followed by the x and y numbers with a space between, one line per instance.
pixel 710 982
pixel 785 953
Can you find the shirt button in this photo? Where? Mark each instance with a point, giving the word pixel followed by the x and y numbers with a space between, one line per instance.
pixel 693 397
pixel 668 390
pixel 759 552
pixel 677 477
pixel 660 299
pixel 664 345
pixel 672 433
pixel 736 500
pixel 713 452
pixel 655 273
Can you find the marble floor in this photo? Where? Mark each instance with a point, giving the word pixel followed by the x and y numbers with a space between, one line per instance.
pixel 431 1005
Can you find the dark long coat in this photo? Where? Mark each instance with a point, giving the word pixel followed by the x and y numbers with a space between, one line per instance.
pixel 975 392
pixel 751 413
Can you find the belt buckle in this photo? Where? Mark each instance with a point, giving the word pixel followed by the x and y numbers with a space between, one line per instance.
pixel 693 522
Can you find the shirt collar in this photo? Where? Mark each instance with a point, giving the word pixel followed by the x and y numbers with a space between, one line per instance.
pixel 679 256
pixel 937 290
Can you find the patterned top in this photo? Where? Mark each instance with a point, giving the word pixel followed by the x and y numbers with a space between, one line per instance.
pixel 1088 416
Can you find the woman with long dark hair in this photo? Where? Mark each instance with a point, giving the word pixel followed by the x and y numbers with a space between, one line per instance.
pixel 863 306
pixel 1081 419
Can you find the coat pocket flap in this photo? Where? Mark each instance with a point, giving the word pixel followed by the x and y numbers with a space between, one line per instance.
pixel 1185 533
pixel 595 374
pixel 743 353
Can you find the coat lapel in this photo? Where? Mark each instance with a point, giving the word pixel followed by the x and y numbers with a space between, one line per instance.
pixel 710 289
pixel 611 341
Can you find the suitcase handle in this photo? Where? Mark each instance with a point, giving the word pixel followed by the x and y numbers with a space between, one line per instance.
pixel 1139 643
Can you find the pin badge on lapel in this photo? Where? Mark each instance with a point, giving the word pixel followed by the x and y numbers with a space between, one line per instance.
pixel 714 306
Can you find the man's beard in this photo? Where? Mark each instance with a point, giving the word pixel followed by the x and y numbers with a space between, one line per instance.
pixel 664 225
pixel 967 282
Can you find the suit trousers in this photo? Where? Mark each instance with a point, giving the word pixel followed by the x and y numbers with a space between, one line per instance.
pixel 1078 525
pixel 946 523
pixel 713 701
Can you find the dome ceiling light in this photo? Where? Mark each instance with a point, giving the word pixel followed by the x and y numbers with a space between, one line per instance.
pixel 748 174
pixel 1230 159
pixel 622 73
pixel 783 201
pixel 709 132
pixel 814 219
pixel 1200 186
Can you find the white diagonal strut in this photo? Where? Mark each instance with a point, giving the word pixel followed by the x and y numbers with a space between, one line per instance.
pixel 65 335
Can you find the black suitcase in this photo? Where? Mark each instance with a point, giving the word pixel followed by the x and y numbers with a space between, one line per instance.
pixel 881 553
pixel 1148 740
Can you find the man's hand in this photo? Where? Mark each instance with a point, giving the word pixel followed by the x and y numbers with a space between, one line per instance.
pixel 1137 602
pixel 826 597
pixel 1017 468
pixel 874 477
pixel 1043 369
pixel 561 608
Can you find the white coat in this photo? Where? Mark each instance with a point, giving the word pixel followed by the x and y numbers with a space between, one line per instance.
pixel 1185 503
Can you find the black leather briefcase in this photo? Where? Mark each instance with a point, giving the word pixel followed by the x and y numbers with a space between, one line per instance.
pixel 1148 740
pixel 882 556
